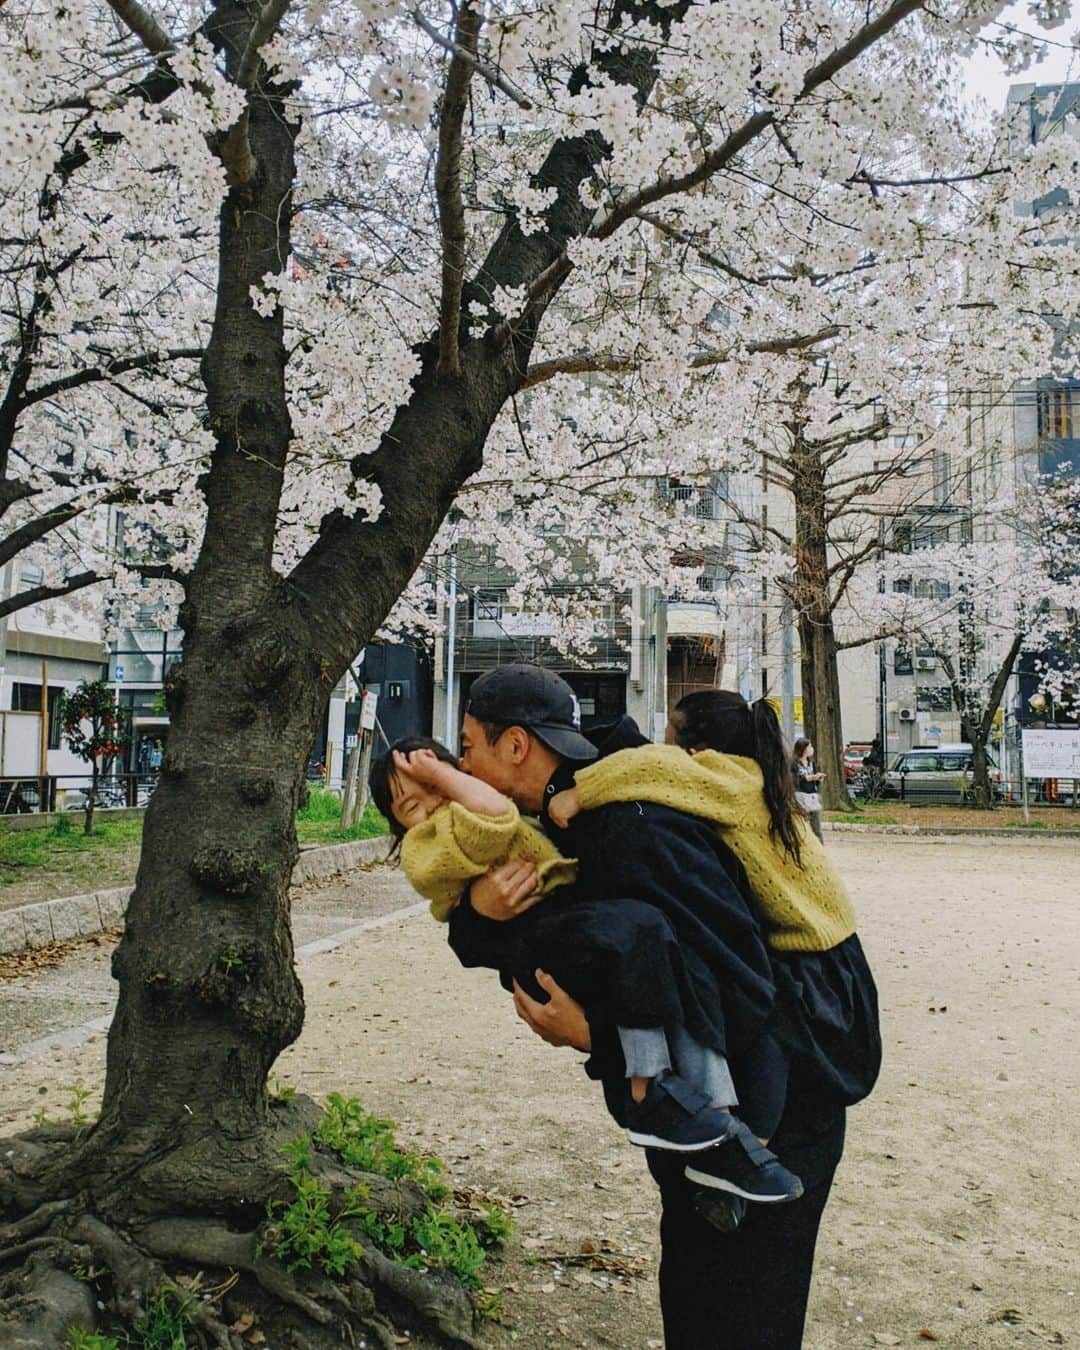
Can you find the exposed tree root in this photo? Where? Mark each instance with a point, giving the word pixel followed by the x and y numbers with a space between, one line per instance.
pixel 65 1261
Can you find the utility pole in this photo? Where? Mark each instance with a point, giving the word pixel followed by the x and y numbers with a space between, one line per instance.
pixel 787 669
pixel 451 642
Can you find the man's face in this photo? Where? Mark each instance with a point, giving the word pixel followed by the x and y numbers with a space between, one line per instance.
pixel 493 764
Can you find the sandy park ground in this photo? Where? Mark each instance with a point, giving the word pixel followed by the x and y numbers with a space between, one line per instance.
pixel 956 1217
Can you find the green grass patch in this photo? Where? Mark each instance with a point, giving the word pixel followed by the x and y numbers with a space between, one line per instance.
pixel 302 1232
pixel 90 860
pixel 860 818
pixel 321 829
pixel 64 842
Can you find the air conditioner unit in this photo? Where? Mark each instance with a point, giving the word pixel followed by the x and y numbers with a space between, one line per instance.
pixel 906 714
pixel 926 663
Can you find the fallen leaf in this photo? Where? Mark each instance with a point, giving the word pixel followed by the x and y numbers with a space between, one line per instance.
pixel 587 1249
pixel 925 1334
pixel 886 1338
pixel 244 1322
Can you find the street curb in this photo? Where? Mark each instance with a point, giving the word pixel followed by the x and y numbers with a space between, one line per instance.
pixel 960 831
pixel 73 916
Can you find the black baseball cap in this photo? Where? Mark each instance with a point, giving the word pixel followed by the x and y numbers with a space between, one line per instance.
pixel 536 699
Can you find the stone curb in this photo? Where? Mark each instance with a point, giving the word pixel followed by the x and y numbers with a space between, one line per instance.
pixel 1016 832
pixel 75 916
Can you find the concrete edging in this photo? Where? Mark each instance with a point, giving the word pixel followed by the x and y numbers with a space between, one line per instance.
pixel 73 916
pixel 961 831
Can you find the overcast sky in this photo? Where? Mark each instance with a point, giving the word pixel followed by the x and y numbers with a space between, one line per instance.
pixel 987 79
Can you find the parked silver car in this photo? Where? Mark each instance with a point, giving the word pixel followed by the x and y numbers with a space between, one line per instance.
pixel 941 773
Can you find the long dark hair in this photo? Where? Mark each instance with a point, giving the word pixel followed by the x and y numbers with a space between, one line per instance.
pixel 798 749
pixel 383 775
pixel 718 719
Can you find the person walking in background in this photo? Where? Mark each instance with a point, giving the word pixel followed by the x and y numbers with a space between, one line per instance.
pixel 807 779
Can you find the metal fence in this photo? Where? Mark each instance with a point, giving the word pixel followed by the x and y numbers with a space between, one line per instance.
pixel 69 792
pixel 1041 792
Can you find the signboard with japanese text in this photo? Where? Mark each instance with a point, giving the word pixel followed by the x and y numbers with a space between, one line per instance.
pixel 1051 754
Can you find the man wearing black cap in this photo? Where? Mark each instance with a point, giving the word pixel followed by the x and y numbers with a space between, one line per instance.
pixel 745 1290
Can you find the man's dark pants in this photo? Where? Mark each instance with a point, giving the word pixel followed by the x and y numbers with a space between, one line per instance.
pixel 745 1290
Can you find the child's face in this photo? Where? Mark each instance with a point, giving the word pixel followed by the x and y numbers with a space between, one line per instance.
pixel 412 802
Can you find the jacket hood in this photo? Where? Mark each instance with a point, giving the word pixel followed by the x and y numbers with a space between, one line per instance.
pixel 624 734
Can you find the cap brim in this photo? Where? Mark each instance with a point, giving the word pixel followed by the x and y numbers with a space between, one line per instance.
pixel 564 741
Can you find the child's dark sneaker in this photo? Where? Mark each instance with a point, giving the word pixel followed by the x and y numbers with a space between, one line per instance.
pixel 677 1117
pixel 746 1168
pixel 719 1209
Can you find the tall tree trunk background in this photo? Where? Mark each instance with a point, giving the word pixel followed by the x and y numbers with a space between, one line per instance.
pixel 822 722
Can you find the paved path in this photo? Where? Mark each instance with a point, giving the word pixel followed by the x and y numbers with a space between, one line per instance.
pixel 37 1007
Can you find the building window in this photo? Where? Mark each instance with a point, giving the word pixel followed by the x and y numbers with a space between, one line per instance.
pixel 27 698
pixel 1059 418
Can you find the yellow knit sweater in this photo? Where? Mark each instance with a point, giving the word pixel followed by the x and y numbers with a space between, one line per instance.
pixel 805 909
pixel 455 846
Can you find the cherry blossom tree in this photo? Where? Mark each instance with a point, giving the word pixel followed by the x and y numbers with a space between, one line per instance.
pixel 516 260
pixel 978 603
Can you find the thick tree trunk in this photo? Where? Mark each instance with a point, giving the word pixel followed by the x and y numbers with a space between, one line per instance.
pixel 208 995
pixel 822 721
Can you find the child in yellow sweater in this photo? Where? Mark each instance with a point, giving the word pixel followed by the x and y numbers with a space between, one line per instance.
pixel 453 828
pixel 726 761
pixel 749 791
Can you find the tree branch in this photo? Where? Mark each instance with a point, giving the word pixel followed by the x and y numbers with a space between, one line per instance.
pixel 608 364
pixel 262 30
pixel 145 27
pixel 96 374
pixel 448 190
pixel 750 129
pixel 39 593
pixel 491 74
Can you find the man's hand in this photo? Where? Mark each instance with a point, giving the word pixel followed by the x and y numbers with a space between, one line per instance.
pixel 506 891
pixel 560 1021
pixel 564 806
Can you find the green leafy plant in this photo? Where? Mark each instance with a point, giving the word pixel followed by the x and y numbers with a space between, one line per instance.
pixel 231 960
pixel 437 1239
pixel 366 1142
pixel 303 1232
pixel 78 1339
pixel 164 1325
pixel 78 1099
pixel 281 1092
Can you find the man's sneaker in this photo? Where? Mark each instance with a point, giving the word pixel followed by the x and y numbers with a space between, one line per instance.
pixel 745 1167
pixel 677 1117
pixel 720 1210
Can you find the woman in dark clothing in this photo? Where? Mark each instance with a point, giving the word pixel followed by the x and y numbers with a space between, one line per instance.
pixel 808 782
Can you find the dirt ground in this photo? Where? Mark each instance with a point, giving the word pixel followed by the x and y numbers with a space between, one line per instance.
pixel 956 1215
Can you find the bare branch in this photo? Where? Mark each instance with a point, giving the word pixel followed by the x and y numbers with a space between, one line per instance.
pixel 145 27
pixel 38 593
pixel 107 372
pixel 609 364
pixel 455 102
pixel 933 180
pixel 262 30
pixel 491 74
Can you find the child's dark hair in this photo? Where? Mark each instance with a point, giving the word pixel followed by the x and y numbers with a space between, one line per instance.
pixel 718 719
pixel 383 775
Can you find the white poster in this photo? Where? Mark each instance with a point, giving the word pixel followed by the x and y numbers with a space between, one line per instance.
pixel 1051 754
